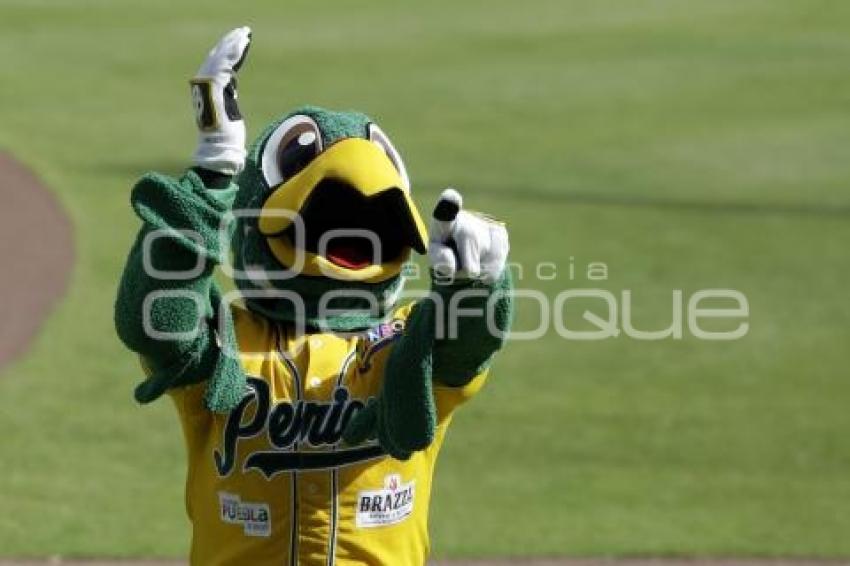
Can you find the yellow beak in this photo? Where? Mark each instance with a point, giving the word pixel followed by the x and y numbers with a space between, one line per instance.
pixel 359 164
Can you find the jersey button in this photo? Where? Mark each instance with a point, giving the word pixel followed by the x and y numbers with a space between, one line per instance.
pixel 314 382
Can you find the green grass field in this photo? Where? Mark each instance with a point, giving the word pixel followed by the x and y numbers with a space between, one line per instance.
pixel 686 144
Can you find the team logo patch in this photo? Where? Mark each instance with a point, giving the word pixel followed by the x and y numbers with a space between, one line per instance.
pixel 254 517
pixel 287 426
pixel 375 340
pixel 387 506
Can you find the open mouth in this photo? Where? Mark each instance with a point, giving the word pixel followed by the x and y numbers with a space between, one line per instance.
pixel 356 220
pixel 352 230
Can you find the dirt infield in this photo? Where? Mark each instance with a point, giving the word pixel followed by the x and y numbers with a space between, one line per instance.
pixel 495 562
pixel 36 254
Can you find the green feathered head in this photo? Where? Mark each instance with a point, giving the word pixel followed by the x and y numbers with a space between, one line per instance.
pixel 325 221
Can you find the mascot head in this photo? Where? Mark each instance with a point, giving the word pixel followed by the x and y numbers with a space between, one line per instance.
pixel 325 221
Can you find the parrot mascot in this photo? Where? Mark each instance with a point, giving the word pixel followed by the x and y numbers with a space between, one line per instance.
pixel 312 404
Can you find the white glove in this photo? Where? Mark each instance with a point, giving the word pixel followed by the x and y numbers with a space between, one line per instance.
pixel 463 244
pixel 221 130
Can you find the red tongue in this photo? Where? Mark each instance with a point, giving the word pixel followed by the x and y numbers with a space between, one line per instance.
pixel 350 254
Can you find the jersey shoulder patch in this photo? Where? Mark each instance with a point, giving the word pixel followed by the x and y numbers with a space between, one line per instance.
pixel 374 342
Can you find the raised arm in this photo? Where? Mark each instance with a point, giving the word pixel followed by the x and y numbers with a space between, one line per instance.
pixel 167 304
pixel 451 336
pixel 468 253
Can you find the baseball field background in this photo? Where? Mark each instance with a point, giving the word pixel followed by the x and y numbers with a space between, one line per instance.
pixel 686 145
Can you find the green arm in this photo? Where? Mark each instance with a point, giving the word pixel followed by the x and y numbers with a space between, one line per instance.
pixel 188 305
pixel 404 418
pixel 460 356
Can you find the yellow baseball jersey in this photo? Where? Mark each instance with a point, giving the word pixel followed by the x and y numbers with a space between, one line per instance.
pixel 272 483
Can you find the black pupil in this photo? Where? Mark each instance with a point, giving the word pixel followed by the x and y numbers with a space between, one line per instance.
pixel 297 153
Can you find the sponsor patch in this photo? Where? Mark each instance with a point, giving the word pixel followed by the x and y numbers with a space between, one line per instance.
pixel 376 339
pixel 254 517
pixel 387 506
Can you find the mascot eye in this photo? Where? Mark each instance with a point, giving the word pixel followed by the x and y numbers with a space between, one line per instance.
pixel 379 138
pixel 290 148
pixel 296 153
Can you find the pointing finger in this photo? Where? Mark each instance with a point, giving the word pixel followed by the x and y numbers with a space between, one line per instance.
pixel 444 215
